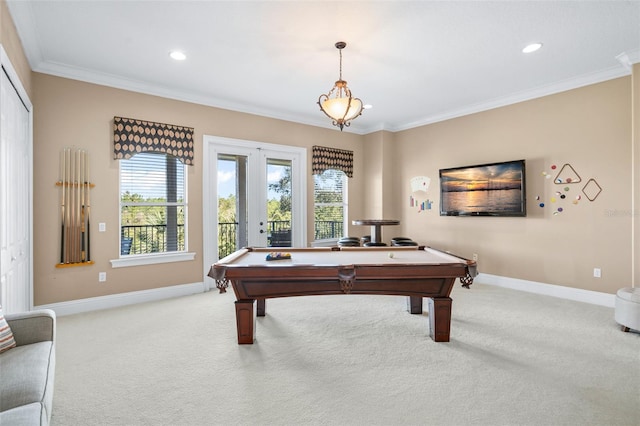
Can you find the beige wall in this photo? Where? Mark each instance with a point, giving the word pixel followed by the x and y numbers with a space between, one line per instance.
pixel 381 180
pixel 373 169
pixel 70 113
pixel 12 45
pixel 391 182
pixel 590 128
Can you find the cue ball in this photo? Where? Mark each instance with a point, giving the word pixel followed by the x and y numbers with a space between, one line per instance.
pixel 390 254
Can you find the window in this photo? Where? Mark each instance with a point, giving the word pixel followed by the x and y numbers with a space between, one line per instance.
pixel 330 204
pixel 153 205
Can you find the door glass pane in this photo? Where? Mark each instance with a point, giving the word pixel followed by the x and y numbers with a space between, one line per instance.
pixel 279 202
pixel 232 203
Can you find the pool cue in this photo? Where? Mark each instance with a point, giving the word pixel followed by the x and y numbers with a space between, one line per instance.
pixel 67 174
pixel 83 182
pixel 77 253
pixel 85 185
pixel 72 253
pixel 72 211
pixel 88 211
pixel 62 207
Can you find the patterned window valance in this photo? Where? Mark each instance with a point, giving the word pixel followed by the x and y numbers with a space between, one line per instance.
pixel 324 158
pixel 131 136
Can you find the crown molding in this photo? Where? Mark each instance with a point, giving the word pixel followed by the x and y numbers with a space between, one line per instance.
pixel 628 59
pixel 118 82
pixel 538 92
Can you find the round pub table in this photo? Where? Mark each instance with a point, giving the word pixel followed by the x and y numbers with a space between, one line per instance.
pixel 376 226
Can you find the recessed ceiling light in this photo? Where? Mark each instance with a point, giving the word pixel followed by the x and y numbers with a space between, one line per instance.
pixel 368 106
pixel 177 55
pixel 532 47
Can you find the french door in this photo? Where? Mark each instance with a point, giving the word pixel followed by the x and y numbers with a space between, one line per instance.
pixel 254 195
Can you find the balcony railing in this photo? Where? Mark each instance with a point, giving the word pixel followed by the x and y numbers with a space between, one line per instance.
pixel 143 239
pixel 327 229
pixel 227 231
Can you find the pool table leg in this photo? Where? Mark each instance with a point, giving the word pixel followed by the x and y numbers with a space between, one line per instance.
pixel 439 318
pixel 414 304
pixel 245 321
pixel 261 308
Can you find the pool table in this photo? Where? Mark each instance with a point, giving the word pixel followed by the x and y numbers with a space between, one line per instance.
pixel 415 272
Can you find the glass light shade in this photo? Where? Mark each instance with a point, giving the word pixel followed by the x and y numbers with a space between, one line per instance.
pixel 340 110
pixel 342 107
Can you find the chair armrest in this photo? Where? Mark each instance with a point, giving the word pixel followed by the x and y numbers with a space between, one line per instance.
pixel 32 327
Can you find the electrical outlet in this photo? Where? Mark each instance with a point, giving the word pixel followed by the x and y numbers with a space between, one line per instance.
pixel 102 276
pixel 597 273
pixel 102 227
pixel 475 257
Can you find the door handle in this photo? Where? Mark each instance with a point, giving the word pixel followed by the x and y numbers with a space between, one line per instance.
pixel 262 231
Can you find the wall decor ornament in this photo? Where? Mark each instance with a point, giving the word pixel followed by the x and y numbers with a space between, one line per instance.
pixel 420 205
pixel 591 189
pixel 568 176
pixel 420 183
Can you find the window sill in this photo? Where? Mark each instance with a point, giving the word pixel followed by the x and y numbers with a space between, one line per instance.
pixel 153 259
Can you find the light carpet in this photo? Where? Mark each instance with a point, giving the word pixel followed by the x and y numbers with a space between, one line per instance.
pixel 514 358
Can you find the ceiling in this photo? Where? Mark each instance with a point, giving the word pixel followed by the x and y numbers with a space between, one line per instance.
pixel 415 62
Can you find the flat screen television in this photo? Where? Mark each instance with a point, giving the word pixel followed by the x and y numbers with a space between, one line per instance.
pixel 495 189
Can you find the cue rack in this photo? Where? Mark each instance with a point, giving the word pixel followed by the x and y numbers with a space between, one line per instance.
pixel 75 208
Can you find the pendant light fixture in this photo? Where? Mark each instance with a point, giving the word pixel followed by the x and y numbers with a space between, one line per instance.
pixel 338 104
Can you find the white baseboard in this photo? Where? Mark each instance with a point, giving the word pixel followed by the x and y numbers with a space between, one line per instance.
pixel 122 299
pixel 577 294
